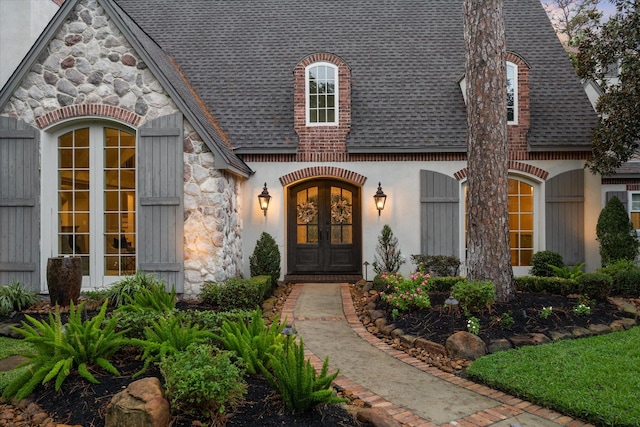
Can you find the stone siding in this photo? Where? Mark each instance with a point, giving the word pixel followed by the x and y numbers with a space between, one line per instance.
pixel 90 64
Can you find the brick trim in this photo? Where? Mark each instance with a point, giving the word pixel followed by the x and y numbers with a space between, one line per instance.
pixel 629 182
pixel 317 171
pixel 82 110
pixel 513 166
pixel 633 187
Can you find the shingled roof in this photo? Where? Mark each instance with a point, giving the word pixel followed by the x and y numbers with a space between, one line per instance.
pixel 406 58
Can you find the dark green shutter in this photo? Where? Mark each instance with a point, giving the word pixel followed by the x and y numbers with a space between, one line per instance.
pixel 565 216
pixel 160 203
pixel 439 214
pixel 19 203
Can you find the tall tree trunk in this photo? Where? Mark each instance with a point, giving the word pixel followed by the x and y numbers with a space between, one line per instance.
pixel 488 252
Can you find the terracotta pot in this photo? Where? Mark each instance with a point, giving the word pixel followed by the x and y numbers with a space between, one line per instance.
pixel 64 279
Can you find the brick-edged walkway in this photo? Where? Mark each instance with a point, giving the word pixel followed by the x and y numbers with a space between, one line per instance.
pixel 507 406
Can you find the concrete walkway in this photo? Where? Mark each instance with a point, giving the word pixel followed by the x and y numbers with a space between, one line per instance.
pixel 408 389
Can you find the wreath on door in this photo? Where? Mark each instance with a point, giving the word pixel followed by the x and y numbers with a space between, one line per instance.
pixel 340 209
pixel 307 212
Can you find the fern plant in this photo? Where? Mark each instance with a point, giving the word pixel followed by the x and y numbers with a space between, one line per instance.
pixel 168 336
pixel 568 272
pixel 61 348
pixel 131 285
pixel 295 379
pixel 154 298
pixel 253 342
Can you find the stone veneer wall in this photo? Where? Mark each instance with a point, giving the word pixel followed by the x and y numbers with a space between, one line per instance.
pixel 90 62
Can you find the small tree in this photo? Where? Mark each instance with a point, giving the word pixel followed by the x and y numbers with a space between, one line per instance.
pixel 265 259
pixel 388 257
pixel 617 237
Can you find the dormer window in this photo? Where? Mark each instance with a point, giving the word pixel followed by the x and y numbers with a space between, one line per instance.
pixel 322 94
pixel 512 93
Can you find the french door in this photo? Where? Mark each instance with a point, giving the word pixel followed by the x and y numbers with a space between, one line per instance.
pixel 324 228
pixel 93 207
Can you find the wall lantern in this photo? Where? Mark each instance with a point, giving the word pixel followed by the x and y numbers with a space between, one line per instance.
pixel 380 199
pixel 264 198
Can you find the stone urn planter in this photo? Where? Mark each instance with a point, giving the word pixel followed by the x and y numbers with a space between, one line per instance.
pixel 64 279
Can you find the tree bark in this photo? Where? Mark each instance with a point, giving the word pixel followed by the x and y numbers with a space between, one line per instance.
pixel 488 254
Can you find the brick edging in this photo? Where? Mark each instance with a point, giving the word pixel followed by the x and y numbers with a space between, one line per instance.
pixel 511 406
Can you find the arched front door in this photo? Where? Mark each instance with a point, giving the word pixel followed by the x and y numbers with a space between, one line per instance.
pixel 324 228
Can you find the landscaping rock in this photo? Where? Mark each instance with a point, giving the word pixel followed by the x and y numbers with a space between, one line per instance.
pixel 11 362
pixel 380 322
pixel 408 340
pixel 141 404
pixel 499 345
pixel 560 334
pixel 465 345
pixel 386 329
pixel 6 331
pixel 625 308
pixel 599 329
pixel 579 332
pixel 377 418
pixel 622 324
pixel 430 347
pixel 529 339
pixel 397 333
pixel 377 314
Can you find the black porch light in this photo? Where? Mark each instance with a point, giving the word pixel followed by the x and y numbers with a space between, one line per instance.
pixel 263 199
pixel 380 198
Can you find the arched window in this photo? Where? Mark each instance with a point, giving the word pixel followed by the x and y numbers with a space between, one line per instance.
pixel 512 93
pixel 92 199
pixel 322 94
pixel 521 221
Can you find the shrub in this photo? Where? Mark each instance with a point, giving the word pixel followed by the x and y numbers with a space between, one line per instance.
pixel 625 276
pixel 388 257
pixel 297 382
pixel 443 284
pixel 265 259
pixel 135 322
pixel 552 285
pixel 234 293
pixel 474 295
pixel 59 349
pixel 379 283
pixel 154 298
pixel 595 285
pixel 407 294
pixel 264 283
pixel 167 336
pixel 252 342
pixel 437 265
pixel 202 382
pixel 541 261
pixel 131 285
pixel 616 234
pixel 14 296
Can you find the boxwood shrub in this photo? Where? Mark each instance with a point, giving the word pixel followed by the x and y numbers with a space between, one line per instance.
pixel 551 285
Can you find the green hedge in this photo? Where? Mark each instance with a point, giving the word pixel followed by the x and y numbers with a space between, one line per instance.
pixel 236 293
pixel 552 285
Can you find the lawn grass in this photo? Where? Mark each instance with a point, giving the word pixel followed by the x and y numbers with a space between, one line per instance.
pixel 11 347
pixel 595 379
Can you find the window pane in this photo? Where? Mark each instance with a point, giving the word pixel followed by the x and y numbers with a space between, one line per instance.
pixel 313 116
pixel 65 159
pixel 322 116
pixel 111 158
pixel 512 186
pixel 81 138
pixel 111 201
pixel 635 219
pixel 526 222
pixel 81 158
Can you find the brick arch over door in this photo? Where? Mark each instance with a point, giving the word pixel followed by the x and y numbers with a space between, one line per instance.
pixel 88 110
pixel 323 171
pixel 513 166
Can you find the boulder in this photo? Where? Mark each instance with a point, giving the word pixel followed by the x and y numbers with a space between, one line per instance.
pixel 465 345
pixel 141 404
pixel 499 345
pixel 430 347
pixel 622 324
pixel 625 307
pixel 377 418
pixel 599 329
pixel 529 339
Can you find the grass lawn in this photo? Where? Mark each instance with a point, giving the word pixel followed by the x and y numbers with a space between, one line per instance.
pixel 595 379
pixel 10 347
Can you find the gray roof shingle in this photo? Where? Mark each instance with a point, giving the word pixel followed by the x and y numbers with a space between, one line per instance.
pixel 406 58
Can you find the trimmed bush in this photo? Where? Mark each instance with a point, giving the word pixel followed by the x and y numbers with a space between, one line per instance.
pixel 595 285
pixel 625 276
pixel 265 283
pixel 474 295
pixel 379 284
pixel 265 259
pixel 437 265
pixel 552 285
pixel 616 234
pixel 443 284
pixel 540 263
pixel 234 293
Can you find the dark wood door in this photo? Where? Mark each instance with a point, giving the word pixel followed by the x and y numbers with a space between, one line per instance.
pixel 324 228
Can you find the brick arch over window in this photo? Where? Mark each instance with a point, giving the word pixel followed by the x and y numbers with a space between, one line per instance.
pixel 83 110
pixel 317 171
pixel 322 143
pixel 513 166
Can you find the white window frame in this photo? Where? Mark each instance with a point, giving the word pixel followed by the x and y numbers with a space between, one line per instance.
pixel 49 186
pixel 514 67
pixel 630 208
pixel 336 93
